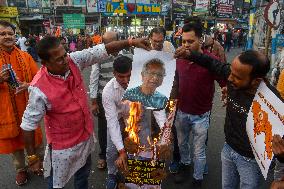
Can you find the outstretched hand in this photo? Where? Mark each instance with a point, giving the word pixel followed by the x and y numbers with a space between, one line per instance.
pixel 143 43
pixel 182 53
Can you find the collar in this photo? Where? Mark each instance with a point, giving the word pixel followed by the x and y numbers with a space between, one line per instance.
pixel 116 85
pixel 60 76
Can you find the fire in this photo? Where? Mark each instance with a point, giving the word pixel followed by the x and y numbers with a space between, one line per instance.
pixel 133 120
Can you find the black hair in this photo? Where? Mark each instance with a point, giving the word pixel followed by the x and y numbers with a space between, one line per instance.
pixel 159 30
pixel 192 19
pixel 260 63
pixel 7 24
pixel 122 64
pixel 193 26
pixel 45 45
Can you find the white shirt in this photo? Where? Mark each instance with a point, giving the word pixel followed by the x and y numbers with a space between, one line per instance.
pixel 74 157
pixel 21 42
pixel 168 47
pixel 115 109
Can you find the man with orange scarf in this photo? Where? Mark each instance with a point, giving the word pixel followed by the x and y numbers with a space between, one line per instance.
pixel 12 105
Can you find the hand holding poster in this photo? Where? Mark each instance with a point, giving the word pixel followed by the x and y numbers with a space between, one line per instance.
pixel 265 119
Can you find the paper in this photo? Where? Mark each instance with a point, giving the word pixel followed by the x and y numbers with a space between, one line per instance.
pixel 140 57
pixel 265 119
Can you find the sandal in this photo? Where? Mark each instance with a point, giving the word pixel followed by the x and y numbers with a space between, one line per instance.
pixel 101 164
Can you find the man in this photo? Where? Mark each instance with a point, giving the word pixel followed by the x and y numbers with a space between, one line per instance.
pixel 247 70
pixel 152 77
pixel 12 106
pixel 57 94
pixel 101 74
pixel 213 46
pixel 157 39
pixel 278 151
pixel 22 43
pixel 194 88
pixel 116 111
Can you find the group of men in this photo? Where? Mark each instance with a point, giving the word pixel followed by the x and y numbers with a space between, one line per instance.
pixel 56 92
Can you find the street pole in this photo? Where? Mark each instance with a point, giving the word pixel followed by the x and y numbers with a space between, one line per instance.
pixel 251 25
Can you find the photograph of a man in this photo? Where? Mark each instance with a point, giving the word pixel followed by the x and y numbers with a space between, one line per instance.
pixel 153 73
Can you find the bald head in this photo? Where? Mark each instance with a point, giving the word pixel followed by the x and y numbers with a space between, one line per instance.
pixel 109 37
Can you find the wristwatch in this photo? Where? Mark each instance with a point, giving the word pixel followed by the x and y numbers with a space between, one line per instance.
pixel 32 159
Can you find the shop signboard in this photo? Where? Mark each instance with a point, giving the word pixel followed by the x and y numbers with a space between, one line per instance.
pixel 34 3
pixel 184 2
pixel 63 3
pixel 201 6
pixel 129 8
pixel 180 11
pixel 79 3
pixel 74 21
pixel 102 6
pixel 45 3
pixel 225 8
pixel 16 3
pixel 46 10
pixel 8 12
pixel 92 6
pixel 3 3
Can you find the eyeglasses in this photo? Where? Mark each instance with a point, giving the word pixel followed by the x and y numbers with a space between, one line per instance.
pixel 153 74
pixel 156 42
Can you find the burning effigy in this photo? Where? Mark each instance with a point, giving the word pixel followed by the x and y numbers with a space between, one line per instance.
pixel 146 155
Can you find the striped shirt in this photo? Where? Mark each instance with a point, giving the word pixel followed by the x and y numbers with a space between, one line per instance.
pixel 101 74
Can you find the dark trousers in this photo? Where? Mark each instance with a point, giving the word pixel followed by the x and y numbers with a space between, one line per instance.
pixel 102 129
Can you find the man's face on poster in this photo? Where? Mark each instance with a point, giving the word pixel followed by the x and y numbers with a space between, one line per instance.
pixel 153 76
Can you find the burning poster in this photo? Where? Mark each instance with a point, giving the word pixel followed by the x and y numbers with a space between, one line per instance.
pixel 265 119
pixel 147 94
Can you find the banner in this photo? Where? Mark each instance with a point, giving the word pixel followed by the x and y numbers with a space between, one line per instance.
pixel 265 119
pixel 17 3
pixel 202 6
pixel 74 21
pixel 225 8
pixel 45 3
pixel 34 3
pixel 92 6
pixel 129 8
pixel 3 3
pixel 79 3
pixel 63 3
pixel 8 12
pixel 181 11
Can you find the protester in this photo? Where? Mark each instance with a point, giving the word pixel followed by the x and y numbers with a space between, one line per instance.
pixel 228 40
pixel 213 46
pixel 239 167
pixel 13 105
pixel 194 89
pixel 22 42
pixel 101 74
pixel 116 111
pixel 157 39
pixel 278 151
pixel 57 94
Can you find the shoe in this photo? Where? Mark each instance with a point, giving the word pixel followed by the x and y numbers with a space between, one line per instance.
pixel 182 174
pixel 111 182
pixel 197 183
pixel 22 178
pixel 174 167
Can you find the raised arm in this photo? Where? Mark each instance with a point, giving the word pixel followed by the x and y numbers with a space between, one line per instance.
pixel 220 69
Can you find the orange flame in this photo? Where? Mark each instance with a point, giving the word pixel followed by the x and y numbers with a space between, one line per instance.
pixel 133 120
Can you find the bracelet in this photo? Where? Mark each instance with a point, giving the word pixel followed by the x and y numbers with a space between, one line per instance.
pixel 32 159
pixel 130 42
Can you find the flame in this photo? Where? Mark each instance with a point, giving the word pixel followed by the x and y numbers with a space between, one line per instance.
pixel 171 104
pixel 133 120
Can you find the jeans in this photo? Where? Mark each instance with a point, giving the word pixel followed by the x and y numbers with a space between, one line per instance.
pixel 199 125
pixel 278 170
pixel 80 177
pixel 102 129
pixel 239 170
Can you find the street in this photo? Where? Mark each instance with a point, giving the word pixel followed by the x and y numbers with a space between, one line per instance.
pixel 97 177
